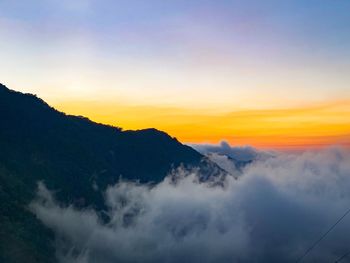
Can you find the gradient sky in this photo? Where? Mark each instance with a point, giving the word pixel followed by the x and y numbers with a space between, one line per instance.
pixel 266 73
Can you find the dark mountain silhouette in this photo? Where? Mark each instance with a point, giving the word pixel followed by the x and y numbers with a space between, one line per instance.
pixel 74 156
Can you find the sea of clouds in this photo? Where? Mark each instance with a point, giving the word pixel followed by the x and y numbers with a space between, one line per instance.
pixel 273 212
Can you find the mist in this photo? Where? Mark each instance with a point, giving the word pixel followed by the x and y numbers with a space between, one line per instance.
pixel 273 212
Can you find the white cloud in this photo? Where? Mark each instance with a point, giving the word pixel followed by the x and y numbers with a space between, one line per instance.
pixel 272 213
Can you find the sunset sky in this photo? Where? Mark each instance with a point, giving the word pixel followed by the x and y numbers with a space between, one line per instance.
pixel 272 74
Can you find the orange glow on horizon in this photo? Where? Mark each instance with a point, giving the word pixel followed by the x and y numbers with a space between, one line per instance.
pixel 303 127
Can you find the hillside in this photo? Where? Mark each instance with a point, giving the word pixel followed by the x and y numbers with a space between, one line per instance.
pixel 74 156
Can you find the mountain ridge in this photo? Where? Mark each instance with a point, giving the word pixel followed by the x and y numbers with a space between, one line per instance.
pixel 75 157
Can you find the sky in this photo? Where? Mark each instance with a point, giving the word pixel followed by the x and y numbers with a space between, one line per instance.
pixel 271 73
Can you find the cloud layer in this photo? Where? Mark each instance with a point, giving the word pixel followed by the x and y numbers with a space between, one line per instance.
pixel 272 213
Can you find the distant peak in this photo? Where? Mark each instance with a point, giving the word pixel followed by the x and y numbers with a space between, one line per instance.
pixel 153 131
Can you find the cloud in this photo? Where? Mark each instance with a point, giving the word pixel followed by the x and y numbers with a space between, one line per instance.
pixel 225 163
pixel 272 213
pixel 238 153
pixel 232 159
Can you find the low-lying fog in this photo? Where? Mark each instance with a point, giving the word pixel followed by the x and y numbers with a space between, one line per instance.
pixel 277 208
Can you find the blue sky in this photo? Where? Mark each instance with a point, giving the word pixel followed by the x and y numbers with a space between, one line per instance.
pixel 146 52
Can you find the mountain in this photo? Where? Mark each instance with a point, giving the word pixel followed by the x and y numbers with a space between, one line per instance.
pixel 75 157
